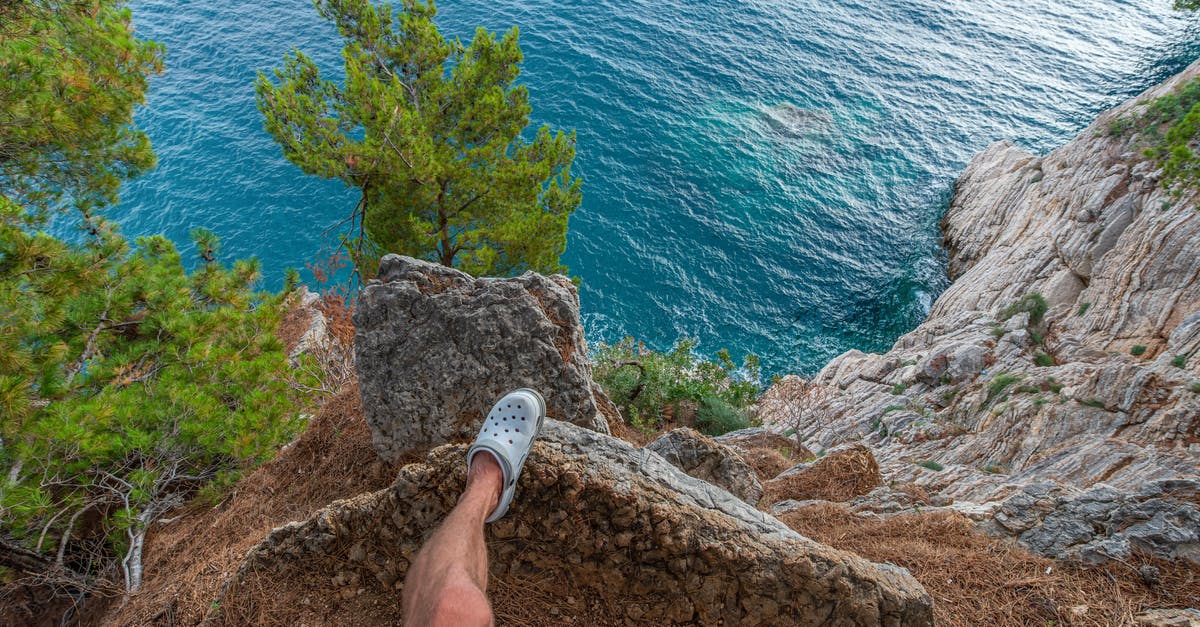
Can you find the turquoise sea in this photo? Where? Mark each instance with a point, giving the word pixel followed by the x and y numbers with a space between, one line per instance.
pixel 766 176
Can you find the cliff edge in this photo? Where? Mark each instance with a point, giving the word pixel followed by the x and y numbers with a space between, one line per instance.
pixel 1052 392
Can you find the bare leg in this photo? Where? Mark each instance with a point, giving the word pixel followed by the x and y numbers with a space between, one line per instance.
pixel 447 582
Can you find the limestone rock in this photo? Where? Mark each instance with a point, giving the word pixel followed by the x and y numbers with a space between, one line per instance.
pixel 1102 523
pixel 1173 617
pixel 1001 401
pixel 436 347
pixel 599 517
pixel 704 459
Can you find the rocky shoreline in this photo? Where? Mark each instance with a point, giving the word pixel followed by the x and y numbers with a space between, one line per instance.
pixel 1072 426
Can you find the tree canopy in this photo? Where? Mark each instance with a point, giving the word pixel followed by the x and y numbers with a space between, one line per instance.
pixel 430 130
pixel 72 73
pixel 127 385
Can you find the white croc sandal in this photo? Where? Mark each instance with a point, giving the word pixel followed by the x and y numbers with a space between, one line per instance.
pixel 508 433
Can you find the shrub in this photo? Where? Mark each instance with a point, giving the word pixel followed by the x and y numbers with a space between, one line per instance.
pixel 1083 309
pixel 1033 304
pixel 714 416
pixel 1137 350
pixel 898 389
pixel 1093 402
pixel 931 465
pixel 1179 361
pixel 1029 389
pixel 1169 127
pixel 998 331
pixel 644 383
pixel 892 408
pixel 1001 381
pixel 1194 386
pixel 1042 359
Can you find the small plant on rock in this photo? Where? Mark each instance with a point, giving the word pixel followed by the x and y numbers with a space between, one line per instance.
pixel 1179 361
pixel 999 382
pixel 1033 304
pixel 931 465
pixel 1042 359
pixel 1137 350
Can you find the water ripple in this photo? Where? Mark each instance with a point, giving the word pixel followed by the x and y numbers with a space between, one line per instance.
pixel 767 176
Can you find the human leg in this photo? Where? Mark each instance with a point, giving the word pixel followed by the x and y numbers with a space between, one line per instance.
pixel 447 582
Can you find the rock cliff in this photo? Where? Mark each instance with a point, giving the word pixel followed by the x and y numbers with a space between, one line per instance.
pixel 608 526
pixel 435 348
pixel 995 393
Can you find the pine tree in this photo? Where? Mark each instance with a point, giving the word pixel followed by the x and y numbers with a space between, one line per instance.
pixel 430 131
pixel 127 385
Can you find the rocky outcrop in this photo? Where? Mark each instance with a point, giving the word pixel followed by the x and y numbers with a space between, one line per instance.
pixel 704 459
pixel 994 393
pixel 597 518
pixel 436 347
pixel 1101 523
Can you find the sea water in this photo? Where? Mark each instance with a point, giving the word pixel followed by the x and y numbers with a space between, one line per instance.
pixel 766 176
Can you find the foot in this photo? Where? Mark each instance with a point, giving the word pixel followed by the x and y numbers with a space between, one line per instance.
pixel 506 437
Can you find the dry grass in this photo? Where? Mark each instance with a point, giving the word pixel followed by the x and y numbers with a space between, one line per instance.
pixel 189 558
pixel 978 580
pixel 839 476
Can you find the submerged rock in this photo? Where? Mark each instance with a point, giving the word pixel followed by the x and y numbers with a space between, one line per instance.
pixel 704 459
pixel 436 347
pixel 597 517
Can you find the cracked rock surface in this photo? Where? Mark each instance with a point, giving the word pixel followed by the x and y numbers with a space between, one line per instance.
pixel 705 459
pixel 435 347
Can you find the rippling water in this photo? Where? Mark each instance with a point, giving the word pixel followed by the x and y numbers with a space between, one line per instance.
pixel 766 176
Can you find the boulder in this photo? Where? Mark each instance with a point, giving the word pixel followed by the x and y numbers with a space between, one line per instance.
pixel 596 522
pixel 1103 523
pixel 704 459
pixel 840 475
pixel 435 347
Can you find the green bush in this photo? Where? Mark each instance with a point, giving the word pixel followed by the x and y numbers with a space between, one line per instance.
pixel 1137 350
pixel 1083 309
pixel 1194 386
pixel 1179 361
pixel 1033 304
pixel 158 385
pixel 714 416
pixel 1093 402
pixel 898 389
pixel 931 465
pixel 644 383
pixel 999 382
pixel 1169 128
pixel 1043 360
